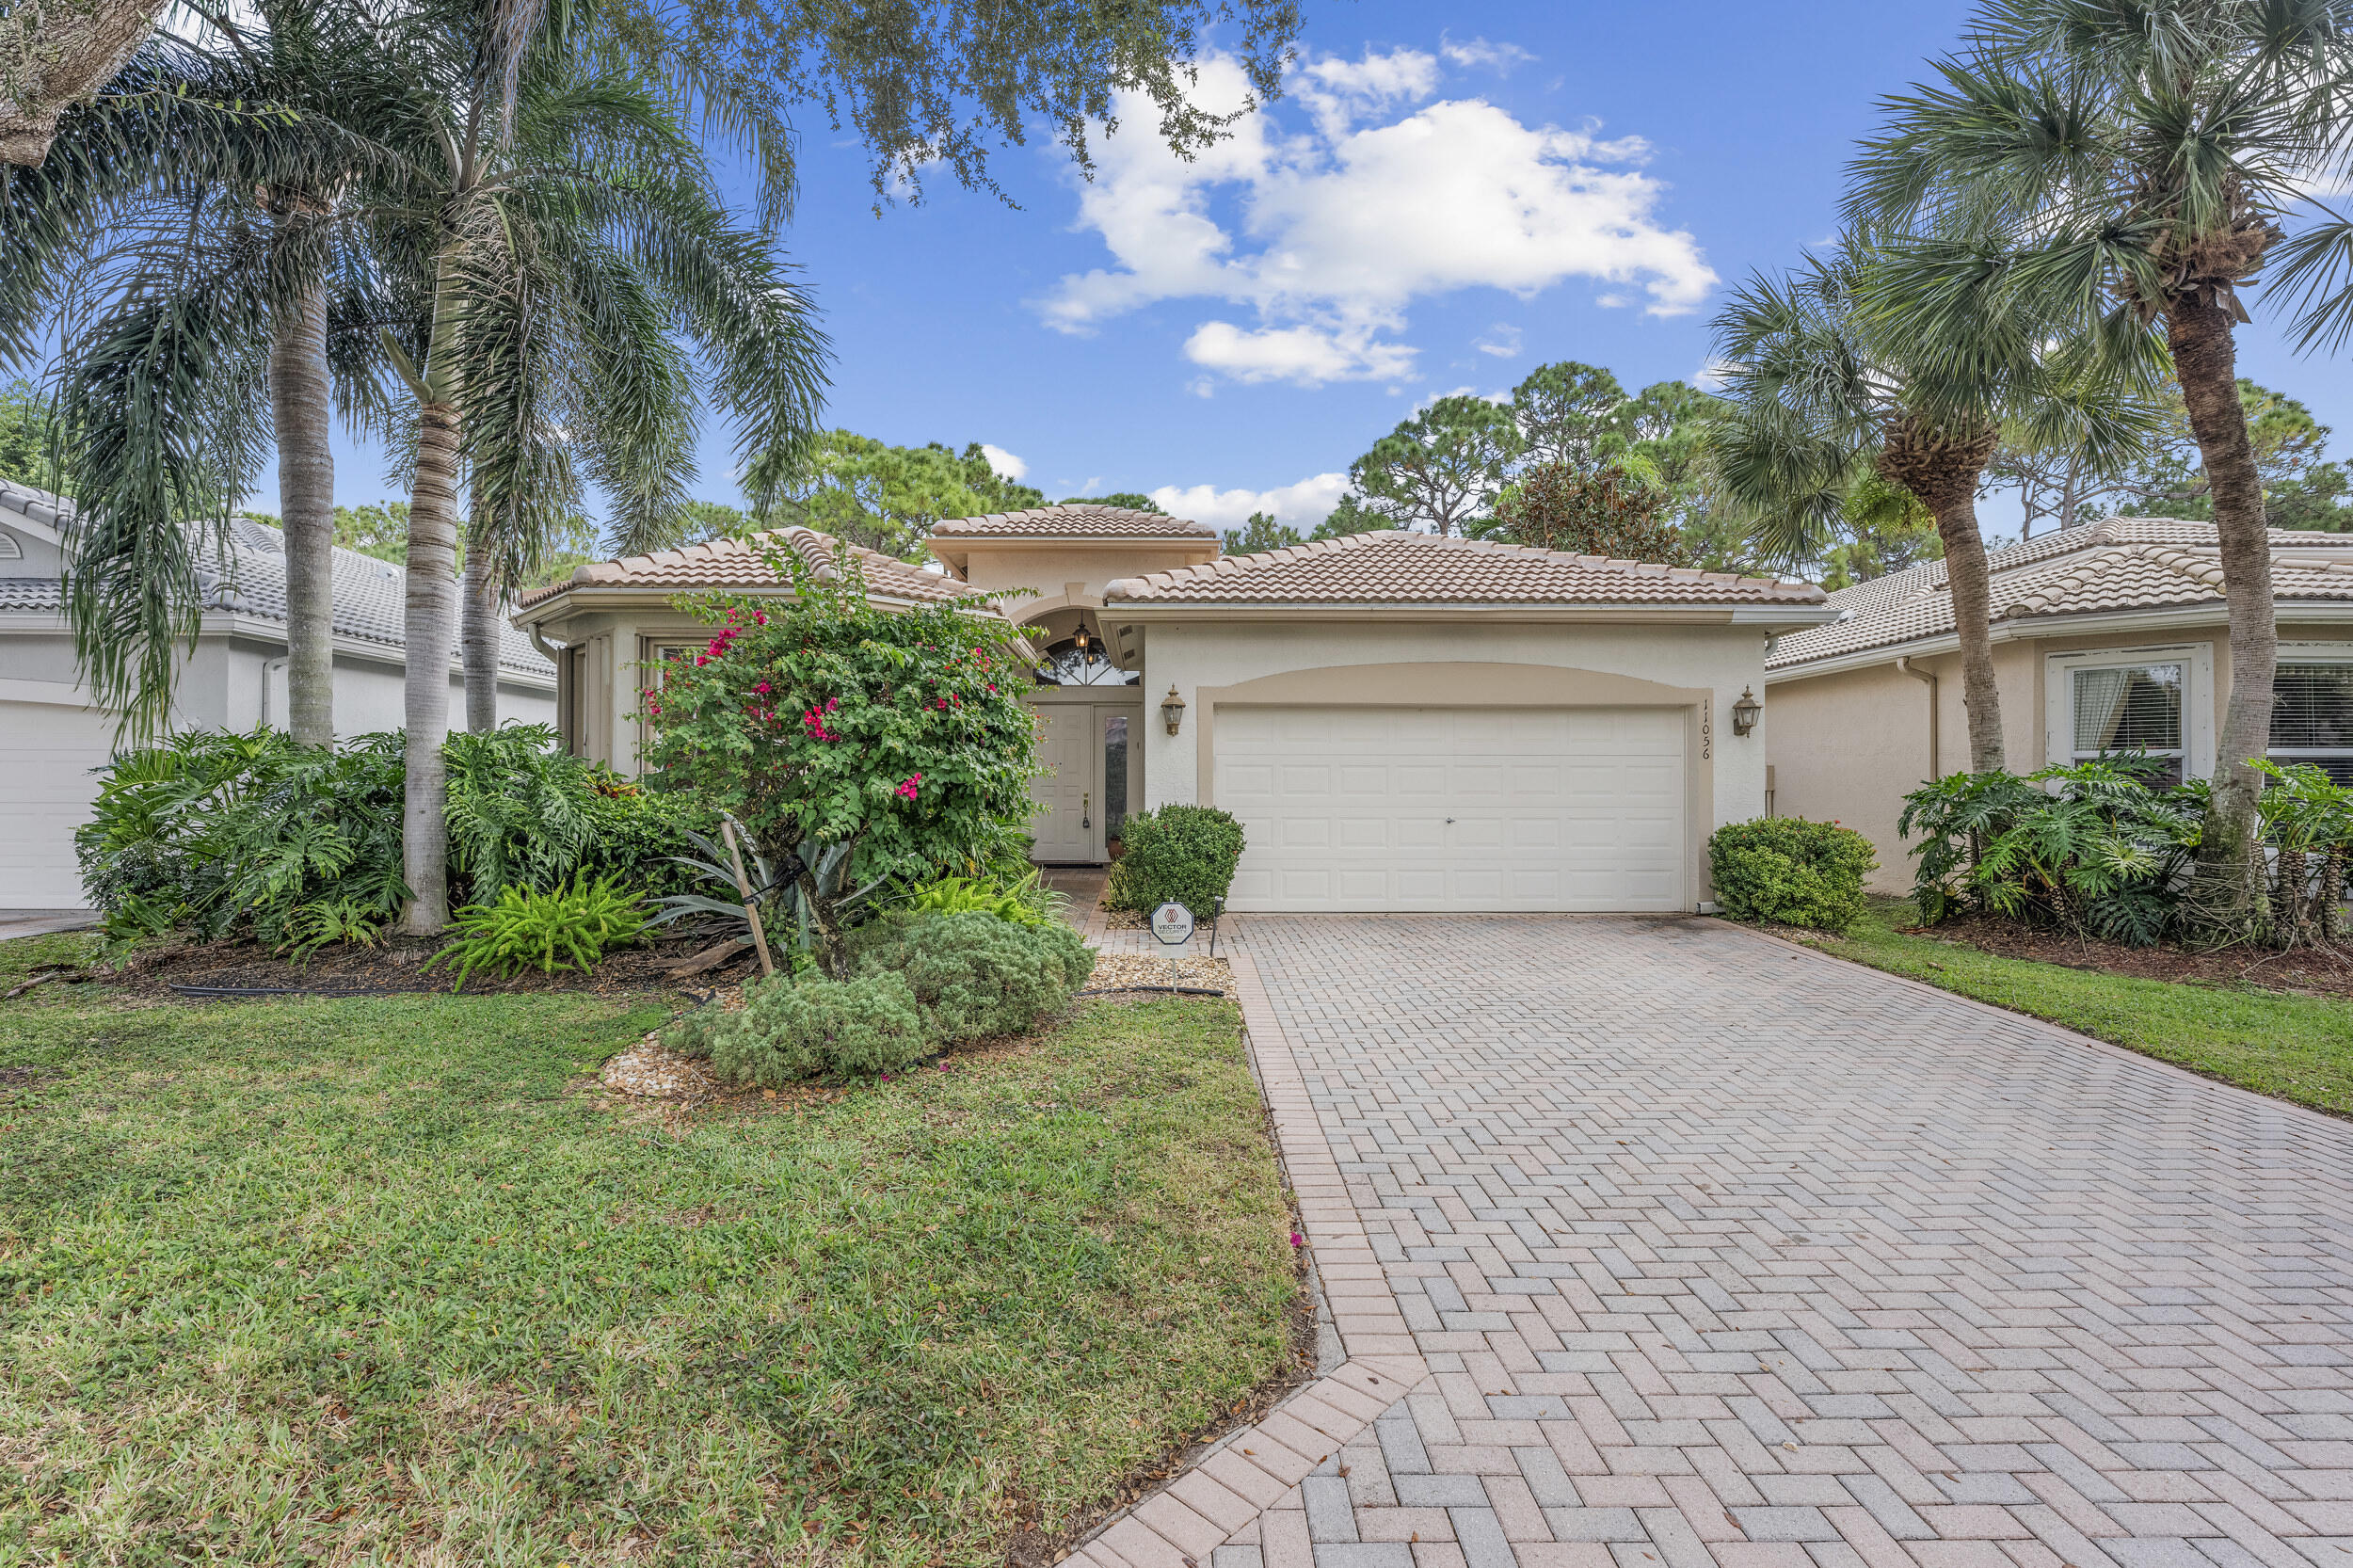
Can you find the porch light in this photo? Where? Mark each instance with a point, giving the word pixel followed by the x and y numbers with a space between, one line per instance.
pixel 1173 709
pixel 1745 712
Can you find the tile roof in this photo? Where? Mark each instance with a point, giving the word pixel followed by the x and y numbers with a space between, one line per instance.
pixel 1073 522
pixel 371 597
pixel 2121 564
pixel 742 563
pixel 1397 568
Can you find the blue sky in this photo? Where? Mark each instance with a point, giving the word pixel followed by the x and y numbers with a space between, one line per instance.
pixel 1447 197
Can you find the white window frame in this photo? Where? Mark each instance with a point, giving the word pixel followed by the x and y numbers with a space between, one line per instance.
pixel 2316 653
pixel 2197 661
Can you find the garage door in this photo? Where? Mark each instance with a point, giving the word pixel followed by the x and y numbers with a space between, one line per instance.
pixel 1472 809
pixel 46 795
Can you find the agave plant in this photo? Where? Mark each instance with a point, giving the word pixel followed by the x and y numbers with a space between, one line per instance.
pixel 779 889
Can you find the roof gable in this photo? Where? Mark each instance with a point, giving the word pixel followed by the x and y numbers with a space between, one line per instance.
pixel 2122 564
pixel 1085 522
pixel 744 564
pixel 1393 567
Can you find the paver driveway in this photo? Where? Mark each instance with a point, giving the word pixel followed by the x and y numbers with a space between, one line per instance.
pixel 1717 1249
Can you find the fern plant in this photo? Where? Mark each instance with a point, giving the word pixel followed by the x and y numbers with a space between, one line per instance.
pixel 1028 902
pixel 570 928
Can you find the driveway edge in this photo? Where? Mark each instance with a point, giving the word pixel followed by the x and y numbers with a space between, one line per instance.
pixel 1251 1470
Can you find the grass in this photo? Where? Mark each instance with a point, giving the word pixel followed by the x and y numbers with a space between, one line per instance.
pixel 381 1281
pixel 2296 1048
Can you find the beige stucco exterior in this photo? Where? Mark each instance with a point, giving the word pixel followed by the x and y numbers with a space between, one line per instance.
pixel 1851 741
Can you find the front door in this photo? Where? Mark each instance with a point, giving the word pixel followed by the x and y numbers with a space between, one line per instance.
pixel 1064 823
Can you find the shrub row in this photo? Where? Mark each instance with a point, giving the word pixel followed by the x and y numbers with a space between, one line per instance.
pixel 920 982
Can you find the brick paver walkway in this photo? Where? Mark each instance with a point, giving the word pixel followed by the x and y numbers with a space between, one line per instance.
pixel 1696 1248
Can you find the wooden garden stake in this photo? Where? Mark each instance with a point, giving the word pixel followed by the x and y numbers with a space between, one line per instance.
pixel 743 885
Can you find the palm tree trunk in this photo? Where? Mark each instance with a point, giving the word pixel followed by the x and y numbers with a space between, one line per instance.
pixel 299 394
pixel 479 636
pixel 431 621
pixel 1942 471
pixel 54 56
pixel 2228 891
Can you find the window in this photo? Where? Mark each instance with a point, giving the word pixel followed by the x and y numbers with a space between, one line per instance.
pixel 2129 710
pixel 2312 713
pixel 1080 662
pixel 1114 774
pixel 2154 703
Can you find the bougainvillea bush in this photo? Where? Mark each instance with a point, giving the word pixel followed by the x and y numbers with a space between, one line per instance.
pixel 823 724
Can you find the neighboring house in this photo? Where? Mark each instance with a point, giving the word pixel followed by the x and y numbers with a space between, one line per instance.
pixel 1401 722
pixel 2111 637
pixel 234 678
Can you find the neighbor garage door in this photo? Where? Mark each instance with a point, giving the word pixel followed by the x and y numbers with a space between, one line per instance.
pixel 46 795
pixel 1471 809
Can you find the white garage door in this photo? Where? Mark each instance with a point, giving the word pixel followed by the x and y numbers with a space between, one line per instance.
pixel 1472 809
pixel 44 796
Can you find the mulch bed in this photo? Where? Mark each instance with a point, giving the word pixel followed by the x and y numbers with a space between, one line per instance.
pixel 2321 971
pixel 398 964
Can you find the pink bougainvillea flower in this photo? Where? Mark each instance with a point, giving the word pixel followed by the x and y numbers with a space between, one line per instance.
pixel 906 790
pixel 760 617
pixel 1296 1240
pixel 761 688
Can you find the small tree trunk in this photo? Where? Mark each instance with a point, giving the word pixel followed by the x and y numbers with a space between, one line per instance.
pixel 479 637
pixel 832 959
pixel 2227 891
pixel 2287 896
pixel 299 393
pixel 1942 471
pixel 431 621
pixel 2332 895
pixel 54 55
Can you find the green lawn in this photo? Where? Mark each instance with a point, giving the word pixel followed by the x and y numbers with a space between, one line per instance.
pixel 2298 1047
pixel 381 1282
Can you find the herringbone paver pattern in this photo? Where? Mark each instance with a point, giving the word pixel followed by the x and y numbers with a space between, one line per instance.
pixel 1715 1251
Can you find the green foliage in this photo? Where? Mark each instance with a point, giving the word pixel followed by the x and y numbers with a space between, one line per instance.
pixel 380 529
pixel 2092 846
pixel 792 1029
pixel 25 435
pixel 1261 533
pixel 975 975
pixel 1440 469
pixel 1790 872
pixel 1027 902
pixel 1887 530
pixel 302 846
pixel 824 724
pixel 569 927
pixel 888 497
pixel 1128 500
pixel 520 810
pixel 1609 512
pixel 2307 818
pixel 1177 855
pixel 221 831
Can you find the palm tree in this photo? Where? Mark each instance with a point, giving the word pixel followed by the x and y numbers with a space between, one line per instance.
pixel 580 237
pixel 2142 162
pixel 1822 395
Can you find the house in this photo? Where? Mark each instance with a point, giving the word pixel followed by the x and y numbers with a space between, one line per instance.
pixel 235 678
pixel 2110 637
pixel 1401 722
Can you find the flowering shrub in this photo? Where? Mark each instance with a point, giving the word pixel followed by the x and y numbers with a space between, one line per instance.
pixel 823 723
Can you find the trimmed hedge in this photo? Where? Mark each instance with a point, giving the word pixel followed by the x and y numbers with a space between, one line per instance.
pixel 1176 855
pixel 786 1031
pixel 1790 872
pixel 973 974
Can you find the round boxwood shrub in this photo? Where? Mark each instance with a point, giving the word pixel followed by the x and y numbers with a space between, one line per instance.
pixel 972 974
pixel 1790 872
pixel 1176 855
pixel 790 1029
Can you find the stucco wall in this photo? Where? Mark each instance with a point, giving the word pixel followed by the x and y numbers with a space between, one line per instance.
pixel 1047 572
pixel 1847 746
pixel 1716 662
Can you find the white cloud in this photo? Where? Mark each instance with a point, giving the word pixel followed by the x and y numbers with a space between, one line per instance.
pixel 1478 52
pixel 1340 228
pixel 1006 465
pixel 1503 340
pixel 1300 506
